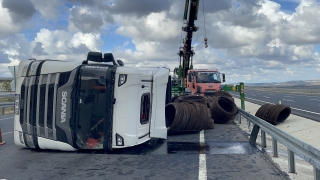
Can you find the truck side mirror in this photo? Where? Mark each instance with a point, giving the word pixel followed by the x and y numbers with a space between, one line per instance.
pixel 223 78
pixel 120 62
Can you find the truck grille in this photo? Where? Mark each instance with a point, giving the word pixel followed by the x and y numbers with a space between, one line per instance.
pixel 42 104
pixel 22 97
pixel 38 96
pixel 209 92
pixel 50 105
pixel 33 103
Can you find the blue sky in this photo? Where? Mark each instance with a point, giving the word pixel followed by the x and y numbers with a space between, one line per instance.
pixel 288 5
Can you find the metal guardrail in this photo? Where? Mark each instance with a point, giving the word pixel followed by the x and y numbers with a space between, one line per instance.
pixel 7 95
pixel 294 145
pixel 6 105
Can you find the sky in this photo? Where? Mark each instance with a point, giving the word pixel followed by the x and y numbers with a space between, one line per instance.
pixel 250 41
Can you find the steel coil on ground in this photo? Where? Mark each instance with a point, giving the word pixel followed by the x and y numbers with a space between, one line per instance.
pixel 222 109
pixel 222 93
pixel 194 113
pixel 274 114
pixel 192 99
pixel 183 117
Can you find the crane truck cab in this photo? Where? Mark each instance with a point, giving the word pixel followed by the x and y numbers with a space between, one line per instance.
pixel 204 82
pixel 94 104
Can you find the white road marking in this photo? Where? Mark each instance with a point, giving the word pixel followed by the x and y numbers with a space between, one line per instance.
pixel 315 99
pixel 253 95
pixel 288 100
pixel 305 96
pixel 202 160
pixel 7 133
pixel 288 96
pixel 266 96
pixel 6 118
pixel 290 107
pixel 305 111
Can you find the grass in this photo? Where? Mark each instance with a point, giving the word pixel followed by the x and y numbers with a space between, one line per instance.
pixel 6 99
pixel 8 110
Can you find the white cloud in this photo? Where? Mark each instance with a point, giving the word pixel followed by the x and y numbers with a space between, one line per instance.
pixel 48 9
pixel 289 71
pixel 6 24
pixel 85 19
pixel 272 11
pixel 153 27
pixel 66 45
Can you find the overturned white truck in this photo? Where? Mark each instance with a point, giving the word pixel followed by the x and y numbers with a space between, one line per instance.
pixel 94 104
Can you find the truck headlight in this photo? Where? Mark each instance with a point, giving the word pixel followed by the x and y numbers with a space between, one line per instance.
pixel 122 79
pixel 119 140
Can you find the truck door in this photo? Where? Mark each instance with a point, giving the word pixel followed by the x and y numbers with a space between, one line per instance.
pixel 158 123
pixel 193 82
pixel 190 80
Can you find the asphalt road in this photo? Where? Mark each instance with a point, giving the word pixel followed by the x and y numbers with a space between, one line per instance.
pixel 307 106
pixel 224 153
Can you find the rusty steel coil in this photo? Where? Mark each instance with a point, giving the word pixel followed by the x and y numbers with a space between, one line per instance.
pixel 222 93
pixel 273 114
pixel 263 111
pixel 281 113
pixel 182 117
pixel 223 109
pixel 194 113
pixel 191 99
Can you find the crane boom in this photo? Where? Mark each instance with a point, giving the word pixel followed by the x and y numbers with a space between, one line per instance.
pixel 186 52
pixel 190 15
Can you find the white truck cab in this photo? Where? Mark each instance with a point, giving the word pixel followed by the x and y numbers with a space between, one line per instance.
pixel 92 104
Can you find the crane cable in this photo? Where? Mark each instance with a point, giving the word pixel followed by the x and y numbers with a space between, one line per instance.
pixel 204 24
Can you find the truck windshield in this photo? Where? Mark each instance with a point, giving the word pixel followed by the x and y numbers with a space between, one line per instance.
pixel 91 107
pixel 208 77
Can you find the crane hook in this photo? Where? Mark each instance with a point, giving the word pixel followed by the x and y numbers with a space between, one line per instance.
pixel 205 42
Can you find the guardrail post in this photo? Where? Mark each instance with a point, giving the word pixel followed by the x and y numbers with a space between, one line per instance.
pixel 254 135
pixel 263 139
pixel 316 173
pixel 239 119
pixel 291 163
pixel 275 147
pixel 242 98
pixel 249 125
